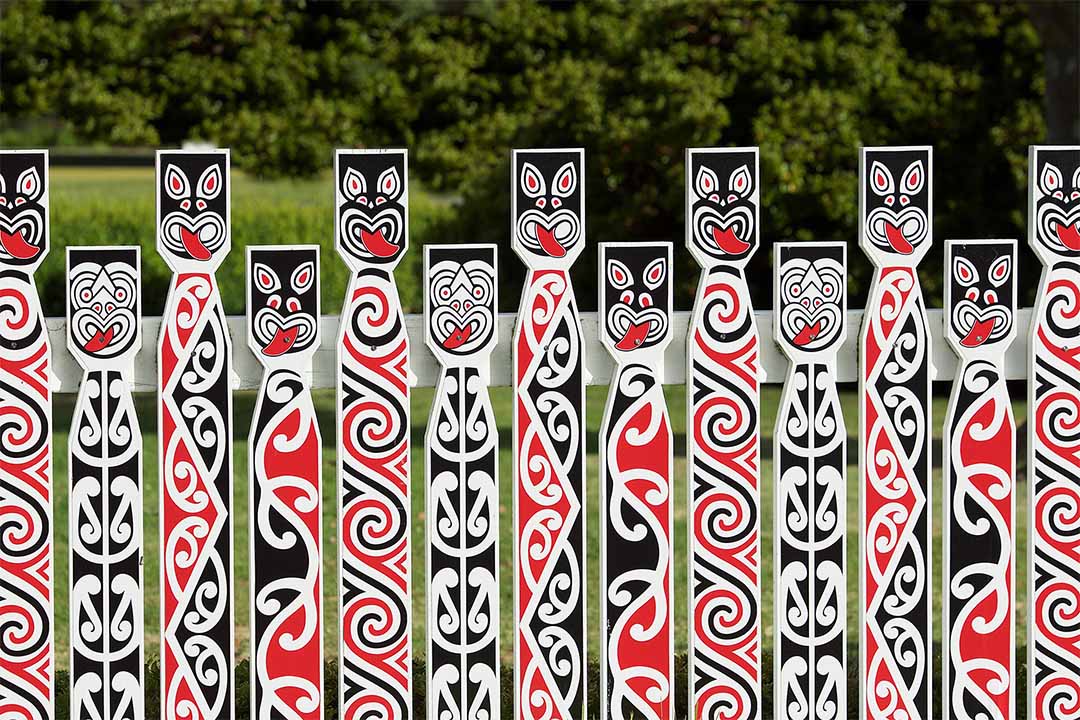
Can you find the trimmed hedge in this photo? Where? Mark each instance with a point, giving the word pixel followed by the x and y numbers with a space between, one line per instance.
pixel 330 688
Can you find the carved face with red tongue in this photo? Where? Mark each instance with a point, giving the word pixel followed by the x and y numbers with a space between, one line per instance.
pixel 460 306
pixel 547 204
pixel 371 206
pixel 723 204
pixel 103 300
pixel 980 292
pixel 193 206
pixel 896 203
pixel 811 290
pixel 1056 191
pixel 22 208
pixel 635 296
pixel 283 300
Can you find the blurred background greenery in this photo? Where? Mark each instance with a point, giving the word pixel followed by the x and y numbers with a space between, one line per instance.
pixel 461 83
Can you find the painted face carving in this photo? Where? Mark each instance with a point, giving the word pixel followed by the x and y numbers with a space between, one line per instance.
pixel 284 299
pixel 723 201
pixel 1056 201
pixel 461 297
pixel 193 205
pixel 896 200
pixel 636 297
pixel 371 203
pixel 811 295
pixel 548 202
pixel 981 293
pixel 103 300
pixel 23 208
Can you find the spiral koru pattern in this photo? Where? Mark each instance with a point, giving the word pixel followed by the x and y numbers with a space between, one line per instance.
pixel 896 631
pixel 810 461
pixel 978 486
pixel 26 571
pixel 195 436
pixel 637 632
pixel 373 407
pixel 549 491
pixel 462 546
pixel 723 476
pixel 1054 487
pixel 286 592
pixel 105 511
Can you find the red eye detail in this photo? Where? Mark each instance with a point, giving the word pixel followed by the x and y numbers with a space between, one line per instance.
pixel 389 184
pixel 85 295
pixel 732 197
pixel 714 198
pixel 890 200
pixel 972 294
pixel 904 199
pixel 110 307
pixel 274 302
pixel 645 300
pixel 1075 194
pixel 627 297
pixel 963 274
pixel 380 201
pixel 201 204
pixel 654 276
pixel 97 307
pixel 210 183
pixel 28 185
pixel 541 202
pixel 531 182
pixel 456 305
pixel 740 182
pixel 354 185
pixel 468 304
pixel 991 297
pixel 362 201
pixel 445 293
pixel 19 201
pixel 556 202
pixel 3 201
pixel 618 275
pixel 806 302
pixel 827 290
pixel 817 302
pixel 185 204
pixel 1059 195
pixel 293 304
pixel 120 295
pixel 795 290
pixel 912 179
pixel 478 292
pixel 302 278
pixel 176 184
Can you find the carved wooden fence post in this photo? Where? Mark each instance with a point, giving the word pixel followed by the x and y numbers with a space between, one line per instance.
pixel 371 196
pixel 105 501
pixel 810 461
pixel 1053 440
pixel 285 456
pixel 548 230
pixel 979 474
pixel 195 439
pixel 895 231
pixel 637 516
pixel 27 669
pixel 462 454
pixel 723 401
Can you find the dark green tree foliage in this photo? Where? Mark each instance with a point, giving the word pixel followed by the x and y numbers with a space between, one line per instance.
pixel 634 83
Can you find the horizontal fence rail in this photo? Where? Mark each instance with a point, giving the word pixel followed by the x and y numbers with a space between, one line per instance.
pixel 597 361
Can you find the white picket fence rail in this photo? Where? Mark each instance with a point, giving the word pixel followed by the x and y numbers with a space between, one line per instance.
pixel 597 360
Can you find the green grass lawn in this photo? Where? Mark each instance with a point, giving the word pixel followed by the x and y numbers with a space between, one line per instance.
pixel 502 398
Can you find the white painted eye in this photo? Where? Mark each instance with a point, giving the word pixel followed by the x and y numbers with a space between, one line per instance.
pixel 1050 179
pixel 565 181
pixel 740 182
pixel 1000 271
pixel 881 180
pixel 972 294
pixel 990 297
pixel 210 183
pixel 29 184
pixel 390 183
pixel 655 272
pixel 266 280
pixel 706 182
pixel 353 184
pixel 964 271
pixel 176 183
pixel 532 182
pixel 303 277
pixel 914 177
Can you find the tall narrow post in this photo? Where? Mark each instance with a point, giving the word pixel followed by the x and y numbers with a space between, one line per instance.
pixel 895 232
pixel 637 636
pixel 810 461
pixel 548 230
pixel 371 196
pixel 284 462
pixel 979 477
pixel 27 672
pixel 105 499
pixel 722 451
pixel 462 454
pixel 195 459
pixel 1053 440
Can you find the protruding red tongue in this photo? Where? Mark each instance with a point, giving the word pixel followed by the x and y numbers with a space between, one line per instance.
pixel 100 341
pixel 1069 236
pixel 728 241
pixel 458 337
pixel 281 342
pixel 979 333
pixel 896 238
pixel 376 244
pixel 548 242
pixel 194 245
pixel 634 336
pixel 807 334
pixel 16 246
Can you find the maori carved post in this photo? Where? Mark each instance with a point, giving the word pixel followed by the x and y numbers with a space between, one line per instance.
pixel 895 209
pixel 810 456
pixel 978 478
pixel 26 383
pixel 637 636
pixel 462 445
pixel 723 375
pixel 195 439
pixel 105 501
pixel 285 455
pixel 1053 437
pixel 548 230
pixel 371 196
